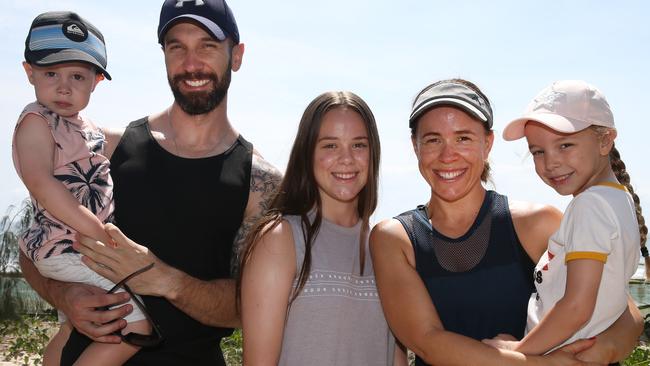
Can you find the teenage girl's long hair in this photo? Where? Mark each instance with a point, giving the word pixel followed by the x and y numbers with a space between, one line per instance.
pixel 298 193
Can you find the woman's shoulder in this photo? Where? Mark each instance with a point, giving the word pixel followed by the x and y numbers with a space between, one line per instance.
pixel 534 224
pixel 530 212
pixel 388 240
pixel 395 225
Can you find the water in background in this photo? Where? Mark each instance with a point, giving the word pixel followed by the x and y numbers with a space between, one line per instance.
pixel 21 297
pixel 639 289
pixel 640 271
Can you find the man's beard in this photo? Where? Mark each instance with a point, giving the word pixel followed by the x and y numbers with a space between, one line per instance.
pixel 194 103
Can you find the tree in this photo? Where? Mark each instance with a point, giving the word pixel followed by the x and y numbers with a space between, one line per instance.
pixel 12 224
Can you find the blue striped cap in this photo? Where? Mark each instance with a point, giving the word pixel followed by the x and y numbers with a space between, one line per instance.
pixel 63 36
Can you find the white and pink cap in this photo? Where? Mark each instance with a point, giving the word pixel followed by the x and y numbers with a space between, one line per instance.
pixel 566 106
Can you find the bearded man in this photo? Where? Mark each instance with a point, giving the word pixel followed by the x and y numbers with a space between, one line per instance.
pixel 187 186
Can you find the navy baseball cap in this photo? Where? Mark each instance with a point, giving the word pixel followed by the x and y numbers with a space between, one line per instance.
pixel 453 94
pixel 62 36
pixel 213 15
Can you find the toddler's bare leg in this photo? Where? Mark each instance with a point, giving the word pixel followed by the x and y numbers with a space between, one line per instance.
pixel 107 354
pixel 52 354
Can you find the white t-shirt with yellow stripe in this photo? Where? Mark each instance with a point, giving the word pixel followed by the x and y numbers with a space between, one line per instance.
pixel 599 223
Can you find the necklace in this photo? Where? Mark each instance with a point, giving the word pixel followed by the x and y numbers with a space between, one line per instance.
pixel 195 153
pixel 171 130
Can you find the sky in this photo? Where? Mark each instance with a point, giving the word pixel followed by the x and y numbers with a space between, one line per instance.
pixel 384 51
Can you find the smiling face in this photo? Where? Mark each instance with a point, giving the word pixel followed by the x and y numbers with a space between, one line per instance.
pixel 341 156
pixel 451 148
pixel 199 67
pixel 64 88
pixel 569 163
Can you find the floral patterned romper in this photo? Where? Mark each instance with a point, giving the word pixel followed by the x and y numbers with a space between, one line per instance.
pixel 80 165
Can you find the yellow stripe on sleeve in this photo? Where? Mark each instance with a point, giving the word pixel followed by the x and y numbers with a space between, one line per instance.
pixel 602 257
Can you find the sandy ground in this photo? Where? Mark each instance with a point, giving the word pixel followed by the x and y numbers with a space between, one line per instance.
pixel 4 344
pixel 3 360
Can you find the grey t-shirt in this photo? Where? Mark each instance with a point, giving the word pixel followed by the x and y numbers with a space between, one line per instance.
pixel 337 319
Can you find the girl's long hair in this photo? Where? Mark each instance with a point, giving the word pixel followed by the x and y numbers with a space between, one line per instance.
pixel 298 193
pixel 620 171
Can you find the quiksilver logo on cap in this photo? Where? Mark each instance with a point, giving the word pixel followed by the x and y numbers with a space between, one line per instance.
pixel 75 31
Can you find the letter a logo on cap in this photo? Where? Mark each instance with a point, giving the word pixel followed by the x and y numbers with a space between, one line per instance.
pixel 179 3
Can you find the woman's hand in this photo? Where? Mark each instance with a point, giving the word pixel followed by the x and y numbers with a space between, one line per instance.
pixel 617 341
pixel 566 356
pixel 503 341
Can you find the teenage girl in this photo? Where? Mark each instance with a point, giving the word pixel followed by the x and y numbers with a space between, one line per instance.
pixel 308 293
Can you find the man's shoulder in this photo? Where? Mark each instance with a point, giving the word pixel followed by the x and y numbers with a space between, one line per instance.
pixel 114 135
pixel 264 182
pixel 264 176
pixel 118 132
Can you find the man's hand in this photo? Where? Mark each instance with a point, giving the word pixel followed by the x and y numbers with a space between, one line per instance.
pixel 79 302
pixel 115 263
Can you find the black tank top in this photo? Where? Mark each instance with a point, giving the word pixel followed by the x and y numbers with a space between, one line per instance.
pixel 480 283
pixel 188 212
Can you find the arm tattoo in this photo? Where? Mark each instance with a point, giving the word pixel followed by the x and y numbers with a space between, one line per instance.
pixel 265 180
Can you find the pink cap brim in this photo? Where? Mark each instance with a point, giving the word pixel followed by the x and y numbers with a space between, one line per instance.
pixel 515 129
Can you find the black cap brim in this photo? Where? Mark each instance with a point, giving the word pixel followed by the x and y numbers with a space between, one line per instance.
pixel 67 55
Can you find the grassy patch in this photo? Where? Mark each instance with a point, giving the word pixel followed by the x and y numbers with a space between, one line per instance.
pixel 232 348
pixel 640 357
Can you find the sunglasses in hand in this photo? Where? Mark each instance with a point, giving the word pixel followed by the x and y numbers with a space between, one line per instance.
pixel 137 339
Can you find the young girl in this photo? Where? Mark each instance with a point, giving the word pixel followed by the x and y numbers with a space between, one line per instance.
pixel 308 294
pixel 582 279
pixel 59 156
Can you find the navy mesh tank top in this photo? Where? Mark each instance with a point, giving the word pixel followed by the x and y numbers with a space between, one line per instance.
pixel 480 283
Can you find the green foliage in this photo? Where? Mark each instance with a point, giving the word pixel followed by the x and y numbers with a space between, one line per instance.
pixel 10 301
pixel 11 224
pixel 27 337
pixel 232 349
pixel 640 357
